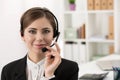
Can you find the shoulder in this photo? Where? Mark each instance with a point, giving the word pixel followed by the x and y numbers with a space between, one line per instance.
pixel 13 65
pixel 68 65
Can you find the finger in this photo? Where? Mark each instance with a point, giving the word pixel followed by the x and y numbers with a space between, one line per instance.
pixel 49 54
pixel 49 48
pixel 52 54
pixel 57 47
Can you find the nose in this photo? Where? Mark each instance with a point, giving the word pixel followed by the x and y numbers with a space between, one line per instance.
pixel 39 37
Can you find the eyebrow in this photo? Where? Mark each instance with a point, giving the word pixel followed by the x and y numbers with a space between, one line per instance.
pixel 33 28
pixel 42 29
pixel 46 28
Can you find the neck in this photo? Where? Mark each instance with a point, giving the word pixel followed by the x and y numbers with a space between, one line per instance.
pixel 35 57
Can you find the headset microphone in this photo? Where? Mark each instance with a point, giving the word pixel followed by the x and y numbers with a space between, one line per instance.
pixel 45 49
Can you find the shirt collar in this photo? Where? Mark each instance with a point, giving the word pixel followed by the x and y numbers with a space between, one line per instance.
pixel 31 64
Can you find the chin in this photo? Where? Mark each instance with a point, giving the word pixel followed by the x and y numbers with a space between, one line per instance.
pixel 38 51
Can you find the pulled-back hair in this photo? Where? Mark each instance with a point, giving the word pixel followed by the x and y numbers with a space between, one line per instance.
pixel 33 14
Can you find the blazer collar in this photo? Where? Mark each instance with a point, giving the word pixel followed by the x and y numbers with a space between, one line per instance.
pixel 20 72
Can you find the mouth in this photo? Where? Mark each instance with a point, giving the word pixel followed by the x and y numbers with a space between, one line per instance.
pixel 39 46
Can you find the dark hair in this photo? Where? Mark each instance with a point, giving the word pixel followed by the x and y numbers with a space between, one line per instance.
pixel 34 13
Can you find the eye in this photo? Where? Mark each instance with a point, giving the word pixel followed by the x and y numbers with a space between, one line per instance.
pixel 46 31
pixel 32 31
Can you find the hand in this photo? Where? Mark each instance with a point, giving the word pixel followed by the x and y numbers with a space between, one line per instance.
pixel 51 64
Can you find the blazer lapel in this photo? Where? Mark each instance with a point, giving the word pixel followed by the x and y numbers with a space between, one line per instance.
pixel 20 72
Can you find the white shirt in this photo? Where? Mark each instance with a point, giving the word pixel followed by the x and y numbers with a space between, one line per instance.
pixel 36 71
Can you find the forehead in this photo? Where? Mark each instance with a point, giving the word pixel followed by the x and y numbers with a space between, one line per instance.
pixel 40 23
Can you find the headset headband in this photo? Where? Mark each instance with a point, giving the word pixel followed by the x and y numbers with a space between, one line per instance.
pixel 56 32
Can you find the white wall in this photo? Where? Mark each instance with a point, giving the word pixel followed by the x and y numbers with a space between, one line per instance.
pixel 11 45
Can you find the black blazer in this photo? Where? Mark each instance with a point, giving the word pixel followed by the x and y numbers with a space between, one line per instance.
pixel 67 70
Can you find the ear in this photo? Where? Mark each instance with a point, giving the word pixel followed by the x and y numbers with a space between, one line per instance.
pixel 22 36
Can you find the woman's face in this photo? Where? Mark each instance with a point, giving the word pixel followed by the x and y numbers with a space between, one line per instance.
pixel 38 35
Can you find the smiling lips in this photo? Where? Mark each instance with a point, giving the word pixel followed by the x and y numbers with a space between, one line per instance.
pixel 39 46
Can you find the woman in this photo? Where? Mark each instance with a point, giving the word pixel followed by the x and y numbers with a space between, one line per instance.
pixel 38 30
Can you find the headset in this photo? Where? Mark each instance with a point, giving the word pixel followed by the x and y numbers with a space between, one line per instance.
pixel 56 31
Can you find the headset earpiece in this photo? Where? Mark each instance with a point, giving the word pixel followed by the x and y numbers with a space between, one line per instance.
pixel 55 33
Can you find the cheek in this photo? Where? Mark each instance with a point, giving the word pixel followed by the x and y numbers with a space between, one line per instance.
pixel 49 39
pixel 28 40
